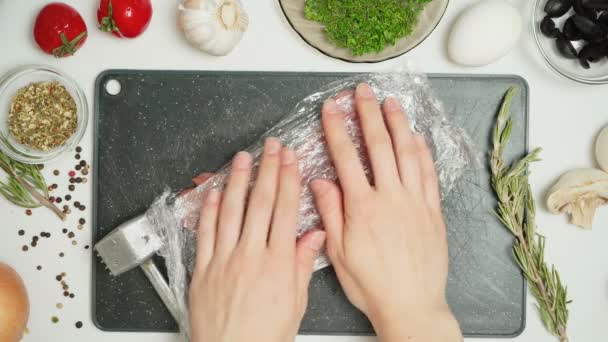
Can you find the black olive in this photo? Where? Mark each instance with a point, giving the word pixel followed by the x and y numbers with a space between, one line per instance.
pixel 591 52
pixel 571 32
pixel 595 4
pixel 603 19
pixel 557 8
pixel 547 27
pixel 584 11
pixel 565 47
pixel 584 63
pixel 590 30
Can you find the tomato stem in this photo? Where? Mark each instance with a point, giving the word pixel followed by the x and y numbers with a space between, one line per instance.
pixel 107 23
pixel 67 47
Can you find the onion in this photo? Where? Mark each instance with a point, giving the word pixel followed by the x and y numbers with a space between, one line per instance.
pixel 14 305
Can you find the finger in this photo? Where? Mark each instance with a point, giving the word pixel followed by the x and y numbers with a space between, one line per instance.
pixel 207 228
pixel 263 196
pixel 307 250
pixel 428 174
pixel 285 217
pixel 202 178
pixel 329 203
pixel 377 139
pixel 343 151
pixel 403 143
pixel 233 205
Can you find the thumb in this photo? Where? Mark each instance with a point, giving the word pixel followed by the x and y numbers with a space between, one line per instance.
pixel 307 249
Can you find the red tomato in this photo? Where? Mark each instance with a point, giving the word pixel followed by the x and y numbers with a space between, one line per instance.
pixel 59 30
pixel 124 18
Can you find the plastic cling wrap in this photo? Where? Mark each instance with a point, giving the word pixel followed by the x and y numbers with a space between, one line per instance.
pixel 301 130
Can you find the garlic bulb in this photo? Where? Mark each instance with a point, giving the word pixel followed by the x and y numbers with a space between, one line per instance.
pixel 213 26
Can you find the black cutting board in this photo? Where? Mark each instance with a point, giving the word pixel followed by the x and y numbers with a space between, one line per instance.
pixel 165 126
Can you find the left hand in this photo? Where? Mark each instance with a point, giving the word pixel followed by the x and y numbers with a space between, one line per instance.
pixel 251 277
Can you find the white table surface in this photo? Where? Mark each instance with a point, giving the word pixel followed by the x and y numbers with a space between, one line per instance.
pixel 565 117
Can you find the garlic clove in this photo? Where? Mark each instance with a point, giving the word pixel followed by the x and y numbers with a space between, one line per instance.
pixel 601 149
pixel 579 192
pixel 213 26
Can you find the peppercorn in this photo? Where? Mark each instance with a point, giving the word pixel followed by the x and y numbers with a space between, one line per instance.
pixel 64 230
pixel 79 324
pixel 68 197
pixel 21 232
pixel 71 187
pixel 56 172
pixel 78 149
pixel 28 212
pixel 25 248
pixel 71 235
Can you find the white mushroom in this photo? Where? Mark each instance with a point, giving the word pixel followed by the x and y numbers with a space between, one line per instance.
pixel 601 149
pixel 579 192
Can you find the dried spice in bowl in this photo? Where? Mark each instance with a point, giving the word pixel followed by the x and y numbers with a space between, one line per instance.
pixel 43 115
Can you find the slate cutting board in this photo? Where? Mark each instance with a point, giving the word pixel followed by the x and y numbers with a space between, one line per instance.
pixel 165 126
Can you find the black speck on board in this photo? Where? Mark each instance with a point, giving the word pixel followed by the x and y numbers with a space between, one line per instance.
pixel 164 127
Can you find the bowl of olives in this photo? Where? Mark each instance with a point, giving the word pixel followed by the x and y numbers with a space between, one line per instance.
pixel 572 36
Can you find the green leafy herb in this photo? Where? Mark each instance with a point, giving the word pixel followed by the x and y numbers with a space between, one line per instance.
pixel 516 210
pixel 25 186
pixel 365 26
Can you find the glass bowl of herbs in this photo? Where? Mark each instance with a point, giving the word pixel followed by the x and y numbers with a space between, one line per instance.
pixel 364 31
pixel 43 113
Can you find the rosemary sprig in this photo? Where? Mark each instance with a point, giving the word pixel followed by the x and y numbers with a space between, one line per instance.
pixel 516 210
pixel 25 185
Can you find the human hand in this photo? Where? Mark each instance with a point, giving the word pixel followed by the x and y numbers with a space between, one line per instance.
pixel 387 241
pixel 251 277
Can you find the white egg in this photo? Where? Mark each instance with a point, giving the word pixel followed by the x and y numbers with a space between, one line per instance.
pixel 484 32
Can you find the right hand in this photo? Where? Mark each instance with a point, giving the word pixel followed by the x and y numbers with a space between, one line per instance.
pixel 387 241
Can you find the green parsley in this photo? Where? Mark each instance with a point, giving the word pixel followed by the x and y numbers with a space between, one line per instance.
pixel 365 26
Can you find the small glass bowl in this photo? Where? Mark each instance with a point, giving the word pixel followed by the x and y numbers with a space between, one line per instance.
pixel 21 77
pixel 569 68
